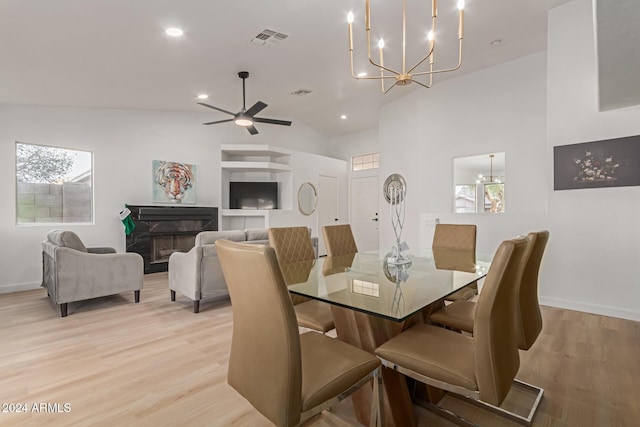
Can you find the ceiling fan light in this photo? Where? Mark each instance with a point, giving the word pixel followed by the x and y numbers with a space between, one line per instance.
pixel 244 121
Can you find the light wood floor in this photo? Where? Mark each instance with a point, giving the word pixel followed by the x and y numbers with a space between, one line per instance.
pixel 157 364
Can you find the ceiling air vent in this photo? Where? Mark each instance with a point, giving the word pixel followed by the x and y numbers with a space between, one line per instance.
pixel 268 37
pixel 301 92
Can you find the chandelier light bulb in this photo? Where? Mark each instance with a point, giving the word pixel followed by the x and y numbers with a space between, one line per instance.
pixel 423 70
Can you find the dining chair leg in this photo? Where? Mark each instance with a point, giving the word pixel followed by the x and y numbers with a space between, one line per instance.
pixel 375 418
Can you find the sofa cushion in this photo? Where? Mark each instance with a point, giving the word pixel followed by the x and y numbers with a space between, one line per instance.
pixel 67 239
pixel 210 237
pixel 257 234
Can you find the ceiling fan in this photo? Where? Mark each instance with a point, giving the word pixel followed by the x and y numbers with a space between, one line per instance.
pixel 246 117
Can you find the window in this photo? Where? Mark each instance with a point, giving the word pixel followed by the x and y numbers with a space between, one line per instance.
pixel 465 198
pixel 494 198
pixel 366 161
pixel 54 185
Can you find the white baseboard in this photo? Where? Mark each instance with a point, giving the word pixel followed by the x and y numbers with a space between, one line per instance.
pixel 7 289
pixel 591 308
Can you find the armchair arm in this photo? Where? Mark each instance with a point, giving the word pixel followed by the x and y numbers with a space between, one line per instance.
pixel 82 275
pixel 184 272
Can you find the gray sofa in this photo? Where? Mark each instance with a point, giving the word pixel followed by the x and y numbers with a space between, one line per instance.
pixel 72 272
pixel 197 274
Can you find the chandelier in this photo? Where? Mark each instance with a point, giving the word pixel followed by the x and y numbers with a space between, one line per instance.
pixel 491 179
pixel 405 76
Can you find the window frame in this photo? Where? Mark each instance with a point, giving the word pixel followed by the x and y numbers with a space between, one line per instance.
pixel 91 192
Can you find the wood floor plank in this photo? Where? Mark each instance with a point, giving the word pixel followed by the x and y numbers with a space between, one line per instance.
pixel 157 363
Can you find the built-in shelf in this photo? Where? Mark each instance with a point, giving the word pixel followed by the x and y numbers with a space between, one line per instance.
pixel 253 150
pixel 247 166
pixel 254 162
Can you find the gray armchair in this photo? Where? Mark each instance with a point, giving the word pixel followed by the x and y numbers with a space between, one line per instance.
pixel 72 272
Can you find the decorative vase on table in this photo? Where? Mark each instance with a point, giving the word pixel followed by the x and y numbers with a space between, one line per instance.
pixel 394 190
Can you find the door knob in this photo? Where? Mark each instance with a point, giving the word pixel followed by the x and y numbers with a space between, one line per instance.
pixel 374 219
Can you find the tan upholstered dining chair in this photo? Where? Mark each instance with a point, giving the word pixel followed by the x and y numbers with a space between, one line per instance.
pixel 481 367
pixel 286 376
pixel 528 319
pixel 338 240
pixel 457 237
pixel 293 245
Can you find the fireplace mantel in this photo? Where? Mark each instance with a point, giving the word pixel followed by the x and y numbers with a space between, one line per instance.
pixel 162 230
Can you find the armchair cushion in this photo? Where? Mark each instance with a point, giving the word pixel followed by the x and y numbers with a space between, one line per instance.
pixel 257 234
pixel 210 237
pixel 66 239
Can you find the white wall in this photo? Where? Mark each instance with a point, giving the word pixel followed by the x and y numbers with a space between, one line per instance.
pixel 124 142
pixel 493 110
pixel 356 144
pixel 307 167
pixel 596 235
pixel 525 108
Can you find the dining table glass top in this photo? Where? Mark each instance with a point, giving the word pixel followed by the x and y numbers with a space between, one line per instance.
pixel 366 282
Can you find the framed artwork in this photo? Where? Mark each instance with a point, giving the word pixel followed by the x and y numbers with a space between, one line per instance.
pixel 607 163
pixel 173 182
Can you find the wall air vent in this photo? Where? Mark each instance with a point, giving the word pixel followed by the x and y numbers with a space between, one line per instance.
pixel 268 38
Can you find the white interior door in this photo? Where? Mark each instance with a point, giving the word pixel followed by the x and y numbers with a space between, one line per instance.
pixel 327 206
pixel 364 212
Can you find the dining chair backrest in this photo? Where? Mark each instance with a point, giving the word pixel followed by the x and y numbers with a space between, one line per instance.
pixel 292 244
pixel 338 240
pixel 455 236
pixel 265 360
pixel 528 317
pixel 496 356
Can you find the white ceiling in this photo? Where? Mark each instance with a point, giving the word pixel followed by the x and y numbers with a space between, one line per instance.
pixel 114 53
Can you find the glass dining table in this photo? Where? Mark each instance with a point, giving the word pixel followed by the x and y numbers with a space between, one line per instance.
pixel 365 282
pixel 373 300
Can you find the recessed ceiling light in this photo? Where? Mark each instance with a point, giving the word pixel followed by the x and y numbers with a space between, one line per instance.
pixel 174 32
pixel 362 74
pixel 203 96
pixel 343 117
pixel 496 42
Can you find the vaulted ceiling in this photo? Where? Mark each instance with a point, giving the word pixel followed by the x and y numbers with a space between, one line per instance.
pixel 115 54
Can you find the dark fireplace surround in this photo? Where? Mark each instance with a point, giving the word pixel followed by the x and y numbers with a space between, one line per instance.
pixel 161 230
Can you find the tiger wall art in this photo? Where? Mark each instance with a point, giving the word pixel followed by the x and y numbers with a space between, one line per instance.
pixel 174 182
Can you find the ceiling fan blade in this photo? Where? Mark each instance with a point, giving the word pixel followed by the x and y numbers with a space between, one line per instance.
pixel 272 121
pixel 252 130
pixel 219 121
pixel 256 108
pixel 216 108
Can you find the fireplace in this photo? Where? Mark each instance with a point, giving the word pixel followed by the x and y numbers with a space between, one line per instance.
pixel 162 230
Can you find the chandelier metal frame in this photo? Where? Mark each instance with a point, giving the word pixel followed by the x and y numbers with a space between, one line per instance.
pixel 405 76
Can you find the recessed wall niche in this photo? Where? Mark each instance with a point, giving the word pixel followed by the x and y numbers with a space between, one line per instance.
pixel 479 183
